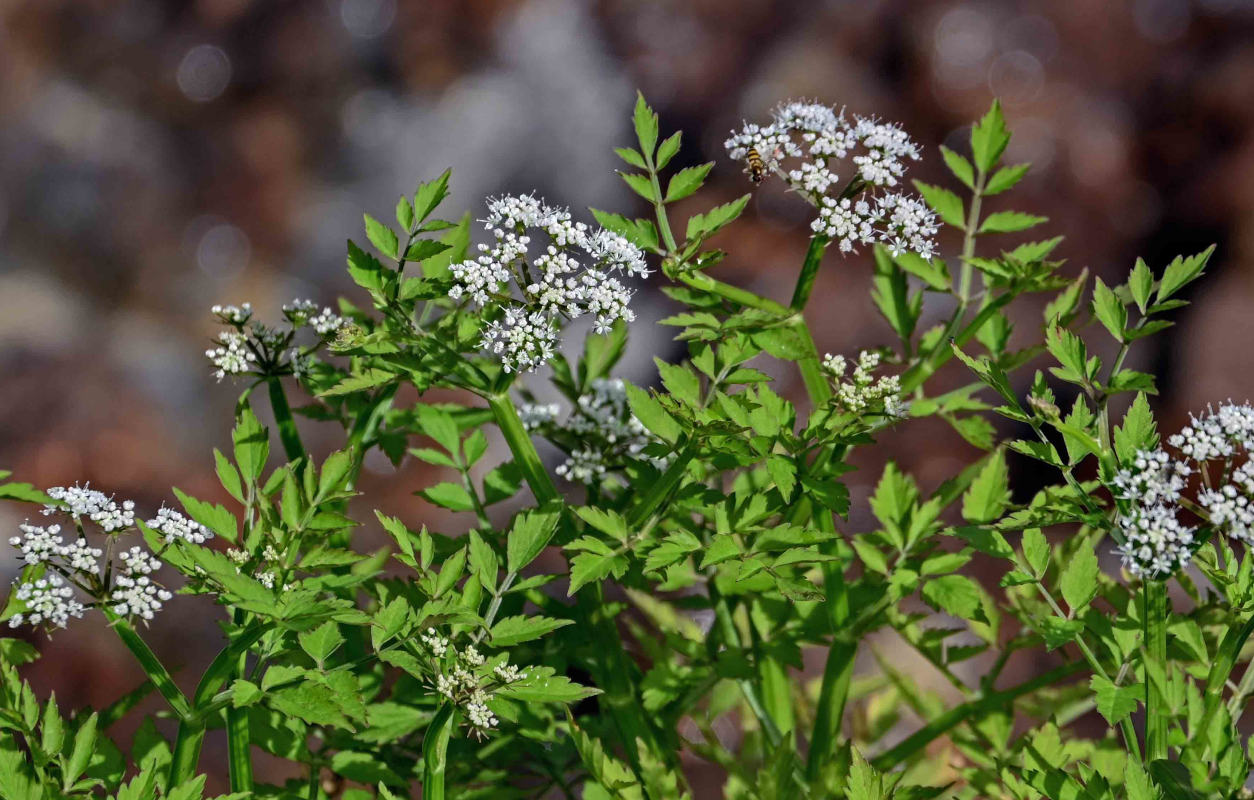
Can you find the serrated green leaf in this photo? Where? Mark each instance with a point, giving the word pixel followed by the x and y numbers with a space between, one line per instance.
pixel 382 237
pixel 686 181
pixel 321 642
pixel 516 630
pixel 1005 178
pixel 1010 222
pixel 1078 581
pixel 1141 284
pixel 945 203
pixel 989 494
pixel 528 537
pixel 1109 309
pixel 989 138
pixel 959 166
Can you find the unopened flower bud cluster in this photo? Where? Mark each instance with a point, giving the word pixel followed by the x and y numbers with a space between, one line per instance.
pixel 123 585
pixel 250 347
pixel 861 392
pixel 858 203
pixel 533 288
pixel 461 675
pixel 601 431
pixel 1157 542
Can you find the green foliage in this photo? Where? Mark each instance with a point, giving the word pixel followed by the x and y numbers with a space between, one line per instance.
pixel 593 629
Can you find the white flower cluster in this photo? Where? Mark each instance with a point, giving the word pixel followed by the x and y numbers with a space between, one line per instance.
pixel 601 431
pixel 1156 543
pixel 124 586
pixel 84 501
pixel 459 677
pixel 174 525
pixel 862 392
pixel 863 209
pixel 303 313
pixel 48 600
pixel 575 274
pixel 45 545
pixel 249 348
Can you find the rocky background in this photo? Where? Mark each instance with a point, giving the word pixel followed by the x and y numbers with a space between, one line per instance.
pixel 158 157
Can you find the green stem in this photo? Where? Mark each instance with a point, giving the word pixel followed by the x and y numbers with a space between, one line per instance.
pixel 734 294
pixel 1155 609
pixel 1225 661
pixel 524 450
pixel 435 752
pixel 238 733
pixel 191 730
pixel 995 701
pixel 151 665
pixel 809 271
pixel 661 489
pixel 289 435
pixel 968 241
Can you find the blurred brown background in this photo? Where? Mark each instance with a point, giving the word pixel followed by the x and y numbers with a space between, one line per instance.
pixel 156 158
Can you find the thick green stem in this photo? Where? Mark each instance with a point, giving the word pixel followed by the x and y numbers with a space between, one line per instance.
pixel 523 449
pixel 1155 610
pixel 238 733
pixel 1221 670
pixel 809 271
pixel 289 435
pixel 435 752
pixel 151 665
pixel 191 731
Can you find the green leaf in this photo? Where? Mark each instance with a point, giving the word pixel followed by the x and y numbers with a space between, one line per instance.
pixel 528 537
pixel 366 270
pixel 959 166
pixel 252 444
pixel 382 237
pixel 214 517
pixel 404 214
pixel 322 641
pixel 933 273
pixel 1058 632
pixel 944 202
pixel 1141 284
pixel 334 473
pixel 447 494
pixel 989 494
pixel 641 185
pixel 451 572
pixel 652 415
pixel 1005 178
pixel 80 755
pixel 1138 431
pixel 1109 309
pixel 312 702
pixel 430 195
pixel 245 693
pixel 1010 222
pixel 668 149
pixel 516 630
pixel 594 564
pixel 1115 703
pixel 1181 272
pixel 632 156
pixel 542 686
pixel 956 595
pixel 1036 550
pixel 645 122
pixel 686 181
pixel 989 138
pixel 1079 579
pixel 702 226
pixel 864 782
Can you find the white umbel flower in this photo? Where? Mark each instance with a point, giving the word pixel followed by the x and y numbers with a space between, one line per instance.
pixel 83 501
pixel 48 600
pixel 862 209
pixel 576 273
pixel 37 544
pixel 231 356
pixel 174 526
